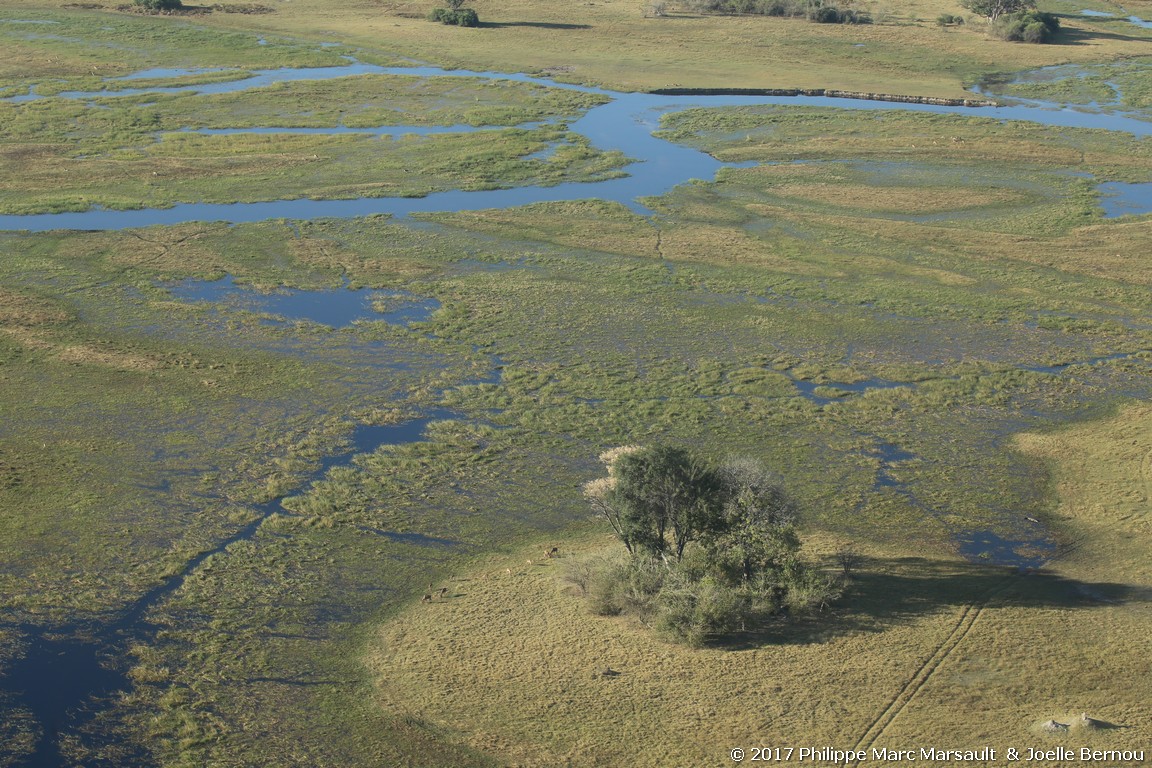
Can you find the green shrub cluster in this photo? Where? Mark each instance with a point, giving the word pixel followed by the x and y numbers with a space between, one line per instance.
pixel 947 19
pixel 814 10
pixel 1026 27
pixel 692 602
pixel 461 17
pixel 714 550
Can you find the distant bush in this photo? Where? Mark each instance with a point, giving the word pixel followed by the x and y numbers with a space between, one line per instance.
pixel 947 19
pixel 814 10
pixel 460 17
pixel 1026 27
pixel 159 5
pixel 830 14
pixel 246 8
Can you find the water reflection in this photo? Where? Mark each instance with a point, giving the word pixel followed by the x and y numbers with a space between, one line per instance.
pixel 334 307
pixel 1120 199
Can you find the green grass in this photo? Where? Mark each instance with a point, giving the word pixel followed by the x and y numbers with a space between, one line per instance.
pixel 127 152
pixel 188 168
pixel 81 44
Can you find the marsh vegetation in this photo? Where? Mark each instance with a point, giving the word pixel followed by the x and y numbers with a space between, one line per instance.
pixel 876 306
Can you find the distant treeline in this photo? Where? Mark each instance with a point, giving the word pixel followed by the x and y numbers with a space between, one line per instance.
pixel 812 10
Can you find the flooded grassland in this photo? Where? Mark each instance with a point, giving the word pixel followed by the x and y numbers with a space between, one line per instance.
pixel 229 451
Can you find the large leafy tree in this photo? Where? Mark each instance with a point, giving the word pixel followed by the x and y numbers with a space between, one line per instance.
pixel 658 499
pixel 746 566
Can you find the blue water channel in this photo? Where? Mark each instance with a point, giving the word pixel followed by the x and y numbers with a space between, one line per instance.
pixel 1105 15
pixel 625 124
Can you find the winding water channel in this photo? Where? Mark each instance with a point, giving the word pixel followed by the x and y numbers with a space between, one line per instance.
pixel 626 123
pixel 60 677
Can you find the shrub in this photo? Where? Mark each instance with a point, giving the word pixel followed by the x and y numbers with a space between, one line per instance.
pixel 824 14
pixel 1026 27
pixel 693 612
pixel 813 10
pixel 159 5
pixel 460 17
pixel 1035 32
pixel 809 590
pixel 467 17
pixel 604 592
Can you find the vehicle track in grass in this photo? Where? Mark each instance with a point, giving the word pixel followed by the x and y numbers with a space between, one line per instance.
pixel 963 624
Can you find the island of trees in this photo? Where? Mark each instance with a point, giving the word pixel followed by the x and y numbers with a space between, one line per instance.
pixel 711 550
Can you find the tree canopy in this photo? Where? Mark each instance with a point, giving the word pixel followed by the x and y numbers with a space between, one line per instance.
pixel 713 547
pixel 659 499
pixel 994 9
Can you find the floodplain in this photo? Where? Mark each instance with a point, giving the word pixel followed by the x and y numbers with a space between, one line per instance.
pixel 219 505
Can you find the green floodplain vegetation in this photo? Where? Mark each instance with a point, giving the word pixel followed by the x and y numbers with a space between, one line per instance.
pixel 909 282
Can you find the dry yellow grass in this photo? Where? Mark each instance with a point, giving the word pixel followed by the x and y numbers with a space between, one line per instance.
pixel 594 224
pixel 933 653
pixel 612 42
pixel 911 200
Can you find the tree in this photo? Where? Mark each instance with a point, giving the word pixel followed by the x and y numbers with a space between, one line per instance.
pixel 658 499
pixel 455 14
pixel 994 9
pixel 745 567
pixel 757 531
pixel 1027 27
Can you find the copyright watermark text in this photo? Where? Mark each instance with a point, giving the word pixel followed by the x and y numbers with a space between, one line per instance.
pixel 830 755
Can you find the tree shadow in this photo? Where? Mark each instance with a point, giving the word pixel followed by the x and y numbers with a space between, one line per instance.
pixel 536 24
pixel 892 592
pixel 1070 36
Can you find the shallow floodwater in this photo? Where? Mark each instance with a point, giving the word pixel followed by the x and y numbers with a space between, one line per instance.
pixel 334 307
pixel 1105 15
pixel 66 672
pixel 995 549
pixel 1120 199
